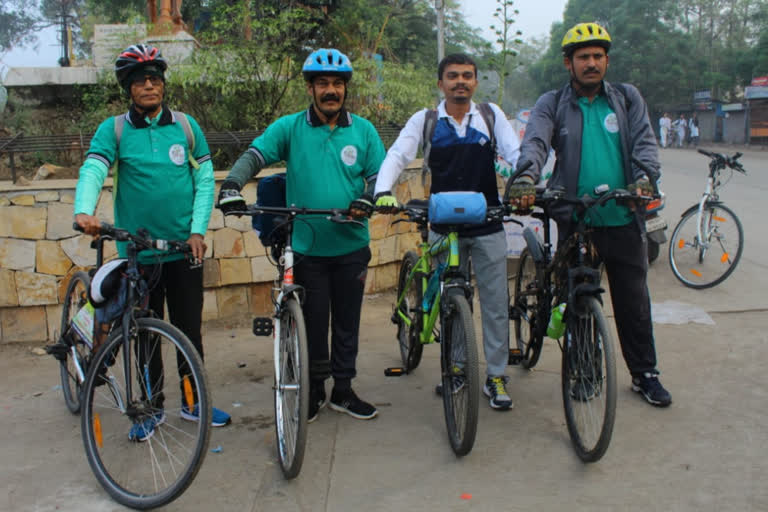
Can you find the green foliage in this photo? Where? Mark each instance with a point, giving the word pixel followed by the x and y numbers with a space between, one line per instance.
pixel 17 24
pixel 389 93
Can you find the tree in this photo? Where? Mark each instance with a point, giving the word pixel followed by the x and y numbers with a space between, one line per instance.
pixel 507 41
pixel 17 24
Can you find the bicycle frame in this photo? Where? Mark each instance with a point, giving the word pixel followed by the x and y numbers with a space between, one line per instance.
pixel 424 270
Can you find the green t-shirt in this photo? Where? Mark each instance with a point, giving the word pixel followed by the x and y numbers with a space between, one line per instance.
pixel 601 161
pixel 324 169
pixel 154 187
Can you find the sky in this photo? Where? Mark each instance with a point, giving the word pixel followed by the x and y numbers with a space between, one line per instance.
pixel 534 20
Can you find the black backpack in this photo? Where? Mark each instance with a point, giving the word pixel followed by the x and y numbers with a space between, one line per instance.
pixel 269 192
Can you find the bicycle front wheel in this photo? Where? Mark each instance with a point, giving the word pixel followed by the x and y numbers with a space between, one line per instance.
pixel 703 254
pixel 291 389
pixel 78 351
pixel 460 377
pixel 588 379
pixel 146 416
pixel 407 314
pixel 523 310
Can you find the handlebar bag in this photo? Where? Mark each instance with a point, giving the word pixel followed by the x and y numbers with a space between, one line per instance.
pixel 269 192
pixel 457 208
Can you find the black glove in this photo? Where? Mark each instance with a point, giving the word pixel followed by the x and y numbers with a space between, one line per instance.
pixel 230 199
pixel 361 207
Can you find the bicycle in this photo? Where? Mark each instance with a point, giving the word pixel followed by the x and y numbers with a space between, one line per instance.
pixel 287 328
pixel 707 227
pixel 434 305
pixel 125 392
pixel 571 277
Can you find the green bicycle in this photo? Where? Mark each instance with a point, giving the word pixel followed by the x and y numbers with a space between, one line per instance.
pixel 433 305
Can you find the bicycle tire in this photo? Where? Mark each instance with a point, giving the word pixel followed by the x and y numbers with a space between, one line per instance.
pixel 408 335
pixel 697 266
pixel 526 304
pixel 75 298
pixel 152 473
pixel 458 357
pixel 588 382
pixel 292 390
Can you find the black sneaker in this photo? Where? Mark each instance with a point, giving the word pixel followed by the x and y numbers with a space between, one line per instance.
pixel 654 393
pixel 317 400
pixel 348 402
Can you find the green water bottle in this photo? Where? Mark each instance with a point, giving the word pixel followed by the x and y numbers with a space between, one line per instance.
pixel 556 327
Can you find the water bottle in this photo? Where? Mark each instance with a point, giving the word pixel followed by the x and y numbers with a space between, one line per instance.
pixel 432 286
pixel 556 326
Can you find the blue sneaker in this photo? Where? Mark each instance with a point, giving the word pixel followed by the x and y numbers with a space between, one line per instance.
pixel 145 429
pixel 218 417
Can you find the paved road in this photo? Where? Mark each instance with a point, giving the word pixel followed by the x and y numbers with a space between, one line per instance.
pixel 706 452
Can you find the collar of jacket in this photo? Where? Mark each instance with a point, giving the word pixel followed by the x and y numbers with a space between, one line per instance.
pixel 138 120
pixel 575 95
pixel 345 118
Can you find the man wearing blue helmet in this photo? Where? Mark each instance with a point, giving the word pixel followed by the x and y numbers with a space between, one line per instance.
pixel 332 158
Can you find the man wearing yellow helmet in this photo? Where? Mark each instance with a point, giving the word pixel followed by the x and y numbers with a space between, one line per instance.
pixel 595 128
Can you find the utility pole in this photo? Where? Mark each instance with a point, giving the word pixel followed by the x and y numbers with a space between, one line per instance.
pixel 440 8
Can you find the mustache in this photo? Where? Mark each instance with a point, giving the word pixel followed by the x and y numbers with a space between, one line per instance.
pixel 591 70
pixel 460 86
pixel 330 97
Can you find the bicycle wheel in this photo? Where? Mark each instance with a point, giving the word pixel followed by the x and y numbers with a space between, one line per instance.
pixel 458 358
pixel 77 350
pixel 291 389
pixel 703 263
pixel 156 471
pixel 588 379
pixel 408 314
pixel 525 304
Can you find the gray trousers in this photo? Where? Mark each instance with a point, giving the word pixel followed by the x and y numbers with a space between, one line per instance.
pixel 489 262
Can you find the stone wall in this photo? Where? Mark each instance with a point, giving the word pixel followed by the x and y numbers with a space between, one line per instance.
pixel 39 250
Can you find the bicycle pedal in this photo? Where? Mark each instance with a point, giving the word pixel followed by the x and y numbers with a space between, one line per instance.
pixel 59 351
pixel 515 356
pixel 262 326
pixel 396 371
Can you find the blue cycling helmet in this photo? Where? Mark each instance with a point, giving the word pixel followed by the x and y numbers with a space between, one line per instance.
pixel 327 61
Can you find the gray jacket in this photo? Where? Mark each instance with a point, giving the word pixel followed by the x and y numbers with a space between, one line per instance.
pixel 556 122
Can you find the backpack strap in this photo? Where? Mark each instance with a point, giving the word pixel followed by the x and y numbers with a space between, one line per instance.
pixel 489 116
pixel 430 119
pixel 184 121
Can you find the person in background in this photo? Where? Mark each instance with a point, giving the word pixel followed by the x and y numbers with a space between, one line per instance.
pixel 693 129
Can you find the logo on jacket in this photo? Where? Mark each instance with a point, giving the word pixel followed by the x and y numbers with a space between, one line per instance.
pixel 176 153
pixel 349 155
pixel 611 123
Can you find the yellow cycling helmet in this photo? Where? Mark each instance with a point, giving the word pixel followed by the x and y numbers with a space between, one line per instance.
pixel 585 34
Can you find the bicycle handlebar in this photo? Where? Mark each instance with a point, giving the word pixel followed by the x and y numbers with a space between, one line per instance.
pixel 652 175
pixel 339 215
pixel 142 238
pixel 722 160
pixel 549 196
pixel 417 211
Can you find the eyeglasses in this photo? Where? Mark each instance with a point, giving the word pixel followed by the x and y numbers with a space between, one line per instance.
pixel 141 80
